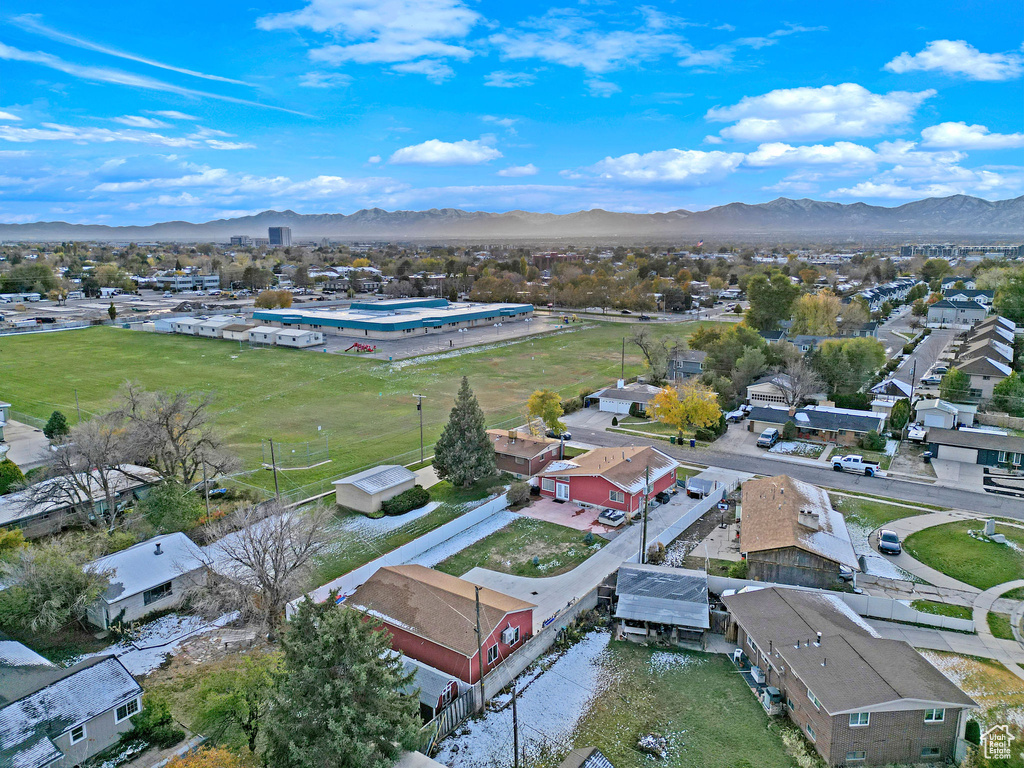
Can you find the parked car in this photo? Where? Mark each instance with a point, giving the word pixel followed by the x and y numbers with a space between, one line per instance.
pixel 845 574
pixel 940 370
pixel 889 543
pixel 612 517
pixel 768 438
pixel 664 497
pixel 626 312
pixel 736 416
pixel 645 318
pixel 931 381
pixel 855 464
pixel 563 435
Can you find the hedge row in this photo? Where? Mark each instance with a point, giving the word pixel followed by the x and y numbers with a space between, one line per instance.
pixel 406 501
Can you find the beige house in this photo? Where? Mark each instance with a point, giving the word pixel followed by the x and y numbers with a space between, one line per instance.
pixel 771 389
pixel 367 490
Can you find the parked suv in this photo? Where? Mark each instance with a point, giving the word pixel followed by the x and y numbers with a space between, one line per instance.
pixel 768 438
pixel 889 542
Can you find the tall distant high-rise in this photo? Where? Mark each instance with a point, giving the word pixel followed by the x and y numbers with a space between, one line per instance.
pixel 280 236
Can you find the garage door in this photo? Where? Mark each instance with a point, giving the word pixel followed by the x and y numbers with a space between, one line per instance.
pixel 935 420
pixel 955 453
pixel 614 406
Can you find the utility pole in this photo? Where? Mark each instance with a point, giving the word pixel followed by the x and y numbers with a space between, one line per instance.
pixel 643 533
pixel 622 368
pixel 515 728
pixel 479 649
pixel 419 407
pixel 77 406
pixel 206 489
pixel 273 464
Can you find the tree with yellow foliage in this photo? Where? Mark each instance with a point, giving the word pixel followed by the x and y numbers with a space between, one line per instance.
pixel 816 314
pixel 693 404
pixel 208 757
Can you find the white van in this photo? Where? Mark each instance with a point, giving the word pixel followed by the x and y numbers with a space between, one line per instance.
pixel 768 438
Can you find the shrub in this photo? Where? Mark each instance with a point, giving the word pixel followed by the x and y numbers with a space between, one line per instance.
pixel 973 732
pixel 571 405
pixel 589 538
pixel 634 410
pixel 656 553
pixel 154 724
pixel 518 493
pixel 406 501
pixel 615 421
pixel 10 475
pixel 738 570
pixel 789 430
pixel 117 541
pixel 872 441
pixel 908 348
pixel 56 426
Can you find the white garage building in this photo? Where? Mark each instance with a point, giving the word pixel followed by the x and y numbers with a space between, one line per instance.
pixel 289 337
pixel 619 398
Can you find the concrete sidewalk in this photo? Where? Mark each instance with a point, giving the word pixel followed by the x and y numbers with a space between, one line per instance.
pixel 985 602
pixel 1007 652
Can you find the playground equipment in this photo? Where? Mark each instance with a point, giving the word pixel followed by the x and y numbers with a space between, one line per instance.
pixel 361 348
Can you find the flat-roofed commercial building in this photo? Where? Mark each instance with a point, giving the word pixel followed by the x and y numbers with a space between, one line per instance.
pixel 394 319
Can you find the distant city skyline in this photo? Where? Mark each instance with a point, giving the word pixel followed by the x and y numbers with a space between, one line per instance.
pixel 141 114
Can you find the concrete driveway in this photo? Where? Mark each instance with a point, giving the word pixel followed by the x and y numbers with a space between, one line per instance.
pixel 27 446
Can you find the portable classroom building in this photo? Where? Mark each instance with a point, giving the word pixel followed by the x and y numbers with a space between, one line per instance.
pixel 287 337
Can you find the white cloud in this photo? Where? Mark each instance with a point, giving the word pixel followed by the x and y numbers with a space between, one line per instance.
pixel 504 122
pixel 670 166
pixel 136 121
pixel 516 171
pixel 846 110
pixel 436 152
pixel 59 132
pixel 120 77
pixel 404 33
pixel 598 87
pixel 957 57
pixel 840 153
pixel 8 116
pixel 31 22
pixel 325 80
pixel 373 159
pixel 902 152
pixel 963 136
pixel 503 79
pixel 172 114
pixel 938 180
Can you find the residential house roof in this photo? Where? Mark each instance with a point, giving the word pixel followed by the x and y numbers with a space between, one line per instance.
pixel 981 332
pixel 987 348
pixel 937 405
pixel 430 682
pixel 433 605
pixel 852 669
pixel 967 294
pixel 780 512
pixel 955 304
pixel 690 356
pixel 63 699
pixel 894 387
pixel 512 443
pixel 141 567
pixel 663 595
pixel 632 393
pixel 237 327
pixel 968 438
pixel 1000 321
pixel 379 478
pixel 820 417
pixel 985 366
pixel 61 493
pixel 586 757
pixel 626 468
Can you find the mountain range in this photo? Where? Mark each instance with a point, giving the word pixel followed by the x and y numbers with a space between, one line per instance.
pixel 959 216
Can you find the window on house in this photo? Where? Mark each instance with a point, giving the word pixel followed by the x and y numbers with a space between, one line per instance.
pixel 126 710
pixel 858 719
pixel 515 636
pixel 547 484
pixel 520 460
pixel 156 593
pixel 790 704
pixel 934 715
pixel 618 496
pixel 813 698
pixel 931 752
pixel 492 654
pixel 77 733
pixel 811 734
pixel 855 756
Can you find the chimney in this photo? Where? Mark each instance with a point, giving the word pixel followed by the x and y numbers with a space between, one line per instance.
pixel 620 383
pixel 792 411
pixel 158 550
pixel 512 434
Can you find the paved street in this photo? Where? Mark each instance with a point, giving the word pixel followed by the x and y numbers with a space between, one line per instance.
pixel 919 493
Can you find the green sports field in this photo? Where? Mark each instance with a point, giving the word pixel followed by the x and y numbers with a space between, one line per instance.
pixel 366 407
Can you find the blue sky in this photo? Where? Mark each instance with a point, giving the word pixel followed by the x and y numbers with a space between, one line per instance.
pixel 133 113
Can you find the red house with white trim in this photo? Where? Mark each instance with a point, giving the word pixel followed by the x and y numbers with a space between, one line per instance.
pixel 609 477
pixel 432 618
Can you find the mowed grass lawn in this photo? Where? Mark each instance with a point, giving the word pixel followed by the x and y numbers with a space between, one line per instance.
pixel 982 564
pixel 558 549
pixel 696 700
pixel 366 407
pixel 870 513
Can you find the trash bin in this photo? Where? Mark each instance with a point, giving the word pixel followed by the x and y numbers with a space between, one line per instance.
pixel 927 456
pixel 672 439
pixel 693 443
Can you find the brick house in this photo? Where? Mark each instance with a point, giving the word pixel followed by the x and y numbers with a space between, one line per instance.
pixel 818 422
pixel 432 618
pixel 522 456
pixel 790 534
pixel 609 477
pixel 860 699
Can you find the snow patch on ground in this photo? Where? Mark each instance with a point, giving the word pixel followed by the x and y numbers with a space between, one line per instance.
pixel 662 661
pixel 459 542
pixel 891 446
pixel 156 640
pixel 369 527
pixel 551 705
pixel 797 448
pixel 875 564
pixel 997 705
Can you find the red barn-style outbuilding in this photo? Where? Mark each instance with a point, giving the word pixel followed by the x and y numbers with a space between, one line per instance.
pixel 432 618
pixel 609 477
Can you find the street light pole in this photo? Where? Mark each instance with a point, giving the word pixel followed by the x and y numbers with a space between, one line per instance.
pixel 419 407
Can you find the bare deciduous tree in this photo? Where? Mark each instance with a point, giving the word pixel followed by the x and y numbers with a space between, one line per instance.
pixel 797 381
pixel 174 431
pixel 264 556
pixel 656 352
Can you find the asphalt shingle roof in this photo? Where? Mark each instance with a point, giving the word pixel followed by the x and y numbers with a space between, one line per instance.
pixel 378 479
pixel 819 417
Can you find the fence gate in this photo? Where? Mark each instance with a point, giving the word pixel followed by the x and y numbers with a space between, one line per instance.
pixel 450 718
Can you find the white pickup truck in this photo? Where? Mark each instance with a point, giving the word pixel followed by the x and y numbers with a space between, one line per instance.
pixel 855 464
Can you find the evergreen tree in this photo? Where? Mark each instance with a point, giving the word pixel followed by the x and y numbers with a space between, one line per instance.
pixel 56 426
pixel 336 701
pixel 10 475
pixel 464 453
pixel 112 311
